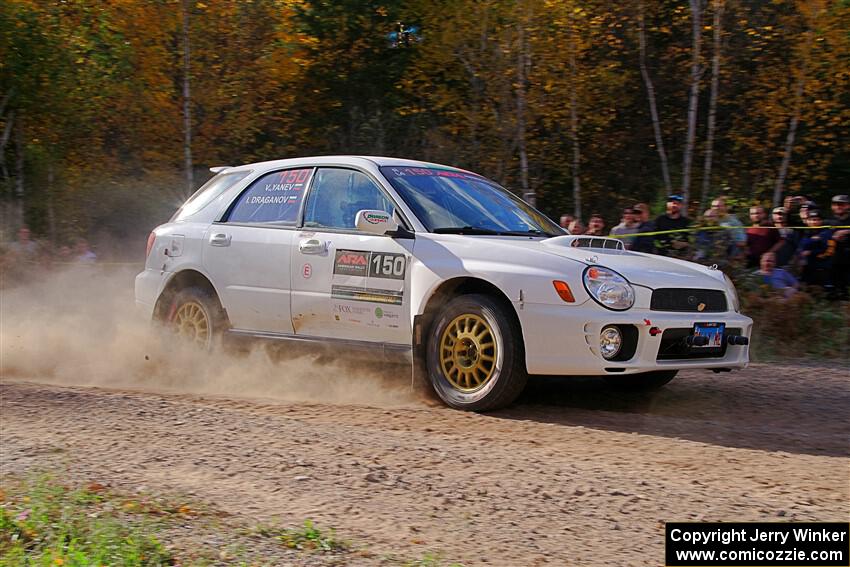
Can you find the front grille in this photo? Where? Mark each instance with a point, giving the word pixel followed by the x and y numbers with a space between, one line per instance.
pixel 673 346
pixel 683 299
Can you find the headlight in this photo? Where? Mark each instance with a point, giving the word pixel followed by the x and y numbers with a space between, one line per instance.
pixel 608 288
pixel 736 303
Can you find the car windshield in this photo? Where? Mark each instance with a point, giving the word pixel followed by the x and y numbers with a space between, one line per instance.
pixel 449 201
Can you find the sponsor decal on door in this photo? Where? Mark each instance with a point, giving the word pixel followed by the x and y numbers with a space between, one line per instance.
pixel 385 265
pixel 387 296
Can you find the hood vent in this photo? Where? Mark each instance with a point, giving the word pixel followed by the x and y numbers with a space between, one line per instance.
pixel 597 242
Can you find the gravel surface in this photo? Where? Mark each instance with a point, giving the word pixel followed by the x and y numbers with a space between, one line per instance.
pixel 575 473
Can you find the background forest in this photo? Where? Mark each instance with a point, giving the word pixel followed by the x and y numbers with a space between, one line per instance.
pixel 111 112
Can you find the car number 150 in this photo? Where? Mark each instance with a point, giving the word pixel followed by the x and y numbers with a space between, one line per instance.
pixel 388 266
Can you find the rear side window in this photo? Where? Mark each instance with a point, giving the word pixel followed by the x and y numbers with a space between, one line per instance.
pixel 275 197
pixel 208 192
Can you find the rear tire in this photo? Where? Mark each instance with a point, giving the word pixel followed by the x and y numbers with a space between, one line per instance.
pixel 644 382
pixel 196 318
pixel 475 358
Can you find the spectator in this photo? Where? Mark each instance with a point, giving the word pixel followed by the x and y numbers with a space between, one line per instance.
pixel 728 220
pixel 629 225
pixel 761 237
pixel 776 278
pixel 576 227
pixel 24 247
pixel 643 243
pixel 706 239
pixel 791 204
pixel 82 252
pixel 566 219
pixel 840 211
pixel 789 239
pixel 806 208
pixel 673 219
pixel 596 226
pixel 816 252
pixel 841 237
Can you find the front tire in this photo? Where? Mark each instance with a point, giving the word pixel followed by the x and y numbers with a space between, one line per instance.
pixel 475 357
pixel 196 318
pixel 644 382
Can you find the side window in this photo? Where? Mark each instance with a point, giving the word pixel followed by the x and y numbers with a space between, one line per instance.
pixel 275 197
pixel 206 194
pixel 337 195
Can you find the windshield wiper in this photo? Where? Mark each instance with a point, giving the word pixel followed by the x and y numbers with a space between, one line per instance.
pixel 464 230
pixel 529 232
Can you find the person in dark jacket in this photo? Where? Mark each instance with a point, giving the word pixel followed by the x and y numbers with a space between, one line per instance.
pixel 816 252
pixel 643 243
pixel 841 236
pixel 675 244
pixel 789 239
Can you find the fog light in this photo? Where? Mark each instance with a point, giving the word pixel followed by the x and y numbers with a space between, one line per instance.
pixel 610 341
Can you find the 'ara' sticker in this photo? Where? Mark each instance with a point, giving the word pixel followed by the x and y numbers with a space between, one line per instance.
pixel 385 265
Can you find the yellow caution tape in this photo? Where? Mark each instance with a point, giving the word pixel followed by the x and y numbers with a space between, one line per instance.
pixel 707 228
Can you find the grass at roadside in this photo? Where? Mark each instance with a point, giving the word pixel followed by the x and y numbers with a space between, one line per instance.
pixel 49 523
pixel 45 523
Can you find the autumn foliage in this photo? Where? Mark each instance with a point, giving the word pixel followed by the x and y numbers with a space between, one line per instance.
pixel 544 96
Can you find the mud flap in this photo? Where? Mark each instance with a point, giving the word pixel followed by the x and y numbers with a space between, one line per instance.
pixel 419 382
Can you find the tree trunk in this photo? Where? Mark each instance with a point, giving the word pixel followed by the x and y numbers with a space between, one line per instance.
pixel 653 108
pixel 51 210
pixel 693 99
pixel 4 141
pixel 18 200
pixel 789 143
pixel 712 104
pixel 187 116
pixel 522 83
pixel 574 119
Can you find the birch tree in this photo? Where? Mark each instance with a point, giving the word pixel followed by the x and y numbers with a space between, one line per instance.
pixel 693 98
pixel 717 30
pixel 653 107
pixel 187 103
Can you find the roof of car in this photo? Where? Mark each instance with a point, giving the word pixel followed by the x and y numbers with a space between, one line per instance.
pixel 353 160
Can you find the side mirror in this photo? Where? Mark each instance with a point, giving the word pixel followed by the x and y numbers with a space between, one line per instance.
pixel 375 221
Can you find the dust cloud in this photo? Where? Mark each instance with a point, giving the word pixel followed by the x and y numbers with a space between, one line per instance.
pixel 79 326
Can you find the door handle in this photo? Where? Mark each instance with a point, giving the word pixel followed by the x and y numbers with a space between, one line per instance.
pixel 220 239
pixel 312 246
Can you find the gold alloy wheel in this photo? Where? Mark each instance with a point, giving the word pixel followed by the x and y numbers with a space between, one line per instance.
pixel 191 323
pixel 468 352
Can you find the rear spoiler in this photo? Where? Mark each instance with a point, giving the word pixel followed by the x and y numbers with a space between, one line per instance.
pixel 220 168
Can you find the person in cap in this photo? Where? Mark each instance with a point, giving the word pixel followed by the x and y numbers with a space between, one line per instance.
pixel 815 251
pixel 841 236
pixel 629 225
pixel 675 244
pixel 840 211
pixel 644 224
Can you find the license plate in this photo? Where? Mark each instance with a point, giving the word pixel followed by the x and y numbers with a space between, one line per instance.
pixel 714 332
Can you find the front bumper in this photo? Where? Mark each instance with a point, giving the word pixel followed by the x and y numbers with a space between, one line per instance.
pixel 564 340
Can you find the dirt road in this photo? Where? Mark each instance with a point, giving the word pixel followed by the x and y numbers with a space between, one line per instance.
pixel 574 474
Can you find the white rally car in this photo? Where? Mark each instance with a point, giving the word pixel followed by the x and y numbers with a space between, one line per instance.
pixel 437 264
